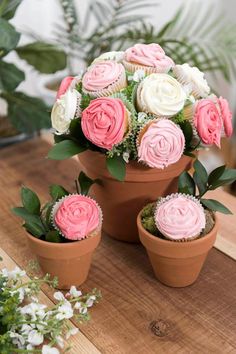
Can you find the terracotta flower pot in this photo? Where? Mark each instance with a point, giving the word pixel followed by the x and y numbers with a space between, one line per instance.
pixel 177 264
pixel 70 262
pixel 121 201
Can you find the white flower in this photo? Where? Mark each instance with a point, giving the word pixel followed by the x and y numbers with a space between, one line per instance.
pixel 138 75
pixel 126 156
pixel 20 292
pixel 13 274
pixel 35 338
pixel 77 305
pixel 74 292
pixel 49 350
pixel 64 311
pixel 192 76
pixel 71 332
pixel 59 296
pixel 64 110
pixel 142 116
pixel 60 341
pixel 35 310
pixel 83 310
pixel 25 329
pixel 17 339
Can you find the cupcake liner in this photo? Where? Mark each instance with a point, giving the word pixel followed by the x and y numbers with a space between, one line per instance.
pixel 132 67
pixel 57 205
pixel 172 196
pixel 111 89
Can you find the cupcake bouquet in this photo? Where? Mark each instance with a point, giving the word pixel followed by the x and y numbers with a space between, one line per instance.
pixel 137 105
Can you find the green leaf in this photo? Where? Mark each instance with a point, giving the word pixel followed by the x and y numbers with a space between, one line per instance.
pixel 200 176
pixel 85 183
pixel 228 177
pixel 27 114
pixel 57 191
pixel 34 229
pixel 186 184
pixel 30 201
pixel 64 150
pixel 8 9
pixel 10 76
pixel 216 174
pixel 215 206
pixel 9 37
pixel 116 167
pixel 27 216
pixel 44 57
pixel 53 236
pixel 187 131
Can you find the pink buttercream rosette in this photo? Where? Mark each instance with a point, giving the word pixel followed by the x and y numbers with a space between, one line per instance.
pixel 226 116
pixel 180 217
pixel 69 82
pixel 149 57
pixel 104 78
pixel 105 122
pixel 77 217
pixel 160 143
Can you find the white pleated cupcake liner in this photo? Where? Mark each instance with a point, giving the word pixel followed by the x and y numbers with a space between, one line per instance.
pixel 132 67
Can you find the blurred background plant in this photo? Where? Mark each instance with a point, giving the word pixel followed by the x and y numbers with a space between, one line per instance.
pixel 25 113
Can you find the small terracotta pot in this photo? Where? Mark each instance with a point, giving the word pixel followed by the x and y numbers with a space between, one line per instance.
pixel 177 264
pixel 69 262
pixel 121 201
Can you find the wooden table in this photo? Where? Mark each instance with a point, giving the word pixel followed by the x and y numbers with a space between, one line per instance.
pixel 137 314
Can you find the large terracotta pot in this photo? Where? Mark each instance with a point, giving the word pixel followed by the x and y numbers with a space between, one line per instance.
pixel 121 201
pixel 177 264
pixel 69 262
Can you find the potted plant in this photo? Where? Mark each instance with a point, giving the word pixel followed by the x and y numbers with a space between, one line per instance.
pixel 135 117
pixel 179 230
pixel 64 232
pixel 24 114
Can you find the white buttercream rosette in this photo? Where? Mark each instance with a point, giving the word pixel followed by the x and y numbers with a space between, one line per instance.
pixel 180 217
pixel 66 108
pixel 192 77
pixel 160 143
pixel 114 55
pixel 76 217
pixel 160 94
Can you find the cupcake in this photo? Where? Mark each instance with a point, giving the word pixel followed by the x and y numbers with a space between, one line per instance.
pixel 193 78
pixel 68 83
pixel 160 143
pixel 149 57
pixel 76 217
pixel 115 55
pixel 180 217
pixel 66 108
pixel 104 78
pixel 226 116
pixel 161 95
pixel 105 122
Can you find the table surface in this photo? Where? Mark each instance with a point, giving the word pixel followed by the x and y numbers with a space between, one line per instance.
pixel 137 314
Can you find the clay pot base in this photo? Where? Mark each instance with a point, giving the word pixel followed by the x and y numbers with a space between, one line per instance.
pixel 122 201
pixel 177 264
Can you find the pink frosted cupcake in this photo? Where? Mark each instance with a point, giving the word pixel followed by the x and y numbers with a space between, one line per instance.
pixel 68 83
pixel 105 122
pixel 77 217
pixel 104 78
pixel 160 143
pixel 149 57
pixel 180 217
pixel 226 116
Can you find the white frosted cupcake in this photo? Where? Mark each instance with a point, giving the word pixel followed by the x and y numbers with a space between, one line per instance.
pixel 149 57
pixel 161 95
pixel 160 143
pixel 180 217
pixel 114 55
pixel 104 78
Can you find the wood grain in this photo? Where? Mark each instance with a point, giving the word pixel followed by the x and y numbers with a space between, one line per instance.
pixel 137 314
pixel 79 343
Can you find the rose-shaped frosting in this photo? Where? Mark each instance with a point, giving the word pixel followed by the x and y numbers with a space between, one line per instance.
pixel 64 86
pixel 162 144
pixel 104 122
pixel 208 122
pixel 161 95
pixel 149 55
pixel 102 74
pixel 179 217
pixel 76 216
pixel 193 78
pixel 226 116
pixel 64 110
pixel 114 55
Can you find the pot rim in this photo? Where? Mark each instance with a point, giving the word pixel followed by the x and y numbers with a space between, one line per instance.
pixel 182 245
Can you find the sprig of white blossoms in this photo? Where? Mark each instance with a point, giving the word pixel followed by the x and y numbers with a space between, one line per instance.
pixel 28 323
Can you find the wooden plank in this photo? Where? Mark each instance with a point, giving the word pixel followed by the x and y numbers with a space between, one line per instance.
pixel 79 343
pixel 135 308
